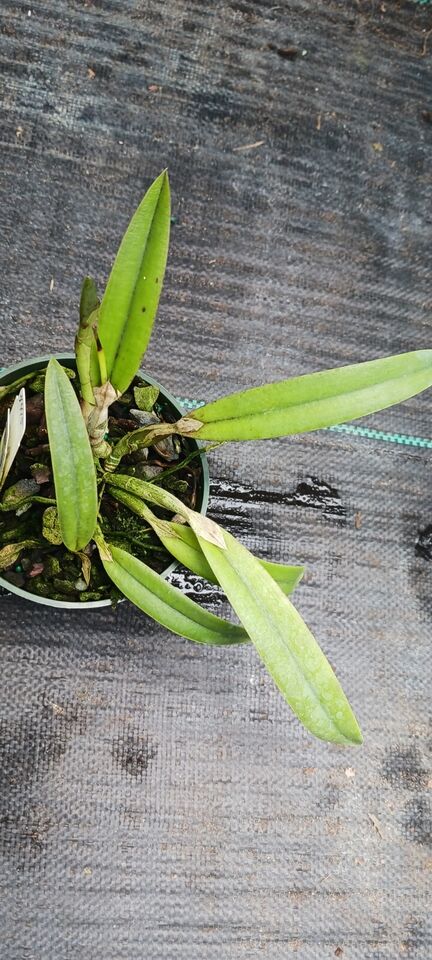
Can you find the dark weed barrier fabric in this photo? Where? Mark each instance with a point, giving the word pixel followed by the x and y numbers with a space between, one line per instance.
pixel 157 798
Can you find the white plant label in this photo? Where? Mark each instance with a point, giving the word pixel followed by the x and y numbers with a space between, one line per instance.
pixel 12 435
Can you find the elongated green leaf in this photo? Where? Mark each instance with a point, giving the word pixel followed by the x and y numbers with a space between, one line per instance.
pixel 147 491
pixel 182 543
pixel 131 298
pixel 72 460
pixel 314 400
pixel 283 641
pixel 160 600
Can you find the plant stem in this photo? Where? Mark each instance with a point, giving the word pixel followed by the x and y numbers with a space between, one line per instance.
pixel 179 466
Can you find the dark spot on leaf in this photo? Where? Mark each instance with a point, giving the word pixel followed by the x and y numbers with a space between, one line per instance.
pixel 143 309
pixel 402 767
pixel 157 280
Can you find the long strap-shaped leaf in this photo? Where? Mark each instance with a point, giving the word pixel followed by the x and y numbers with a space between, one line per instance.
pixel 283 641
pixel 72 460
pixel 131 297
pixel 160 600
pixel 182 543
pixel 314 400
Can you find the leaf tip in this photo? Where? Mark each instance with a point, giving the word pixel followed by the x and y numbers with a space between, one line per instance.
pixel 357 737
pixel 52 364
pixel 352 733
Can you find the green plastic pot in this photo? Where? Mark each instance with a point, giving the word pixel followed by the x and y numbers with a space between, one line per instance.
pixel 68 360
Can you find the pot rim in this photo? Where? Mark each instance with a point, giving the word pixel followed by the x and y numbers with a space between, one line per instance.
pixel 35 363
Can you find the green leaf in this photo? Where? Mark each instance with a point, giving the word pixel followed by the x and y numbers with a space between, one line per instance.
pixel 21 495
pixel 38 383
pixel 131 298
pixel 72 460
pixel 51 526
pixel 15 385
pixel 313 401
pixel 283 641
pixel 18 493
pixel 183 544
pixel 145 397
pixel 148 491
pixel 148 591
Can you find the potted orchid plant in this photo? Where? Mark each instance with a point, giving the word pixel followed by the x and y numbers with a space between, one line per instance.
pixel 104 481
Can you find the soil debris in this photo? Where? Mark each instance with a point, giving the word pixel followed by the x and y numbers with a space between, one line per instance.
pixel 376 824
pixel 249 146
pixel 286 53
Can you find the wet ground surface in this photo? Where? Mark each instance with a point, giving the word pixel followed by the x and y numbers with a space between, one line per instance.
pixel 157 798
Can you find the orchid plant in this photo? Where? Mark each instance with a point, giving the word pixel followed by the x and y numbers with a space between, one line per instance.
pixel 87 464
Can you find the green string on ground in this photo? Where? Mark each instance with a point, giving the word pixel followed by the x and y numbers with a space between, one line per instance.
pixel 404 439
